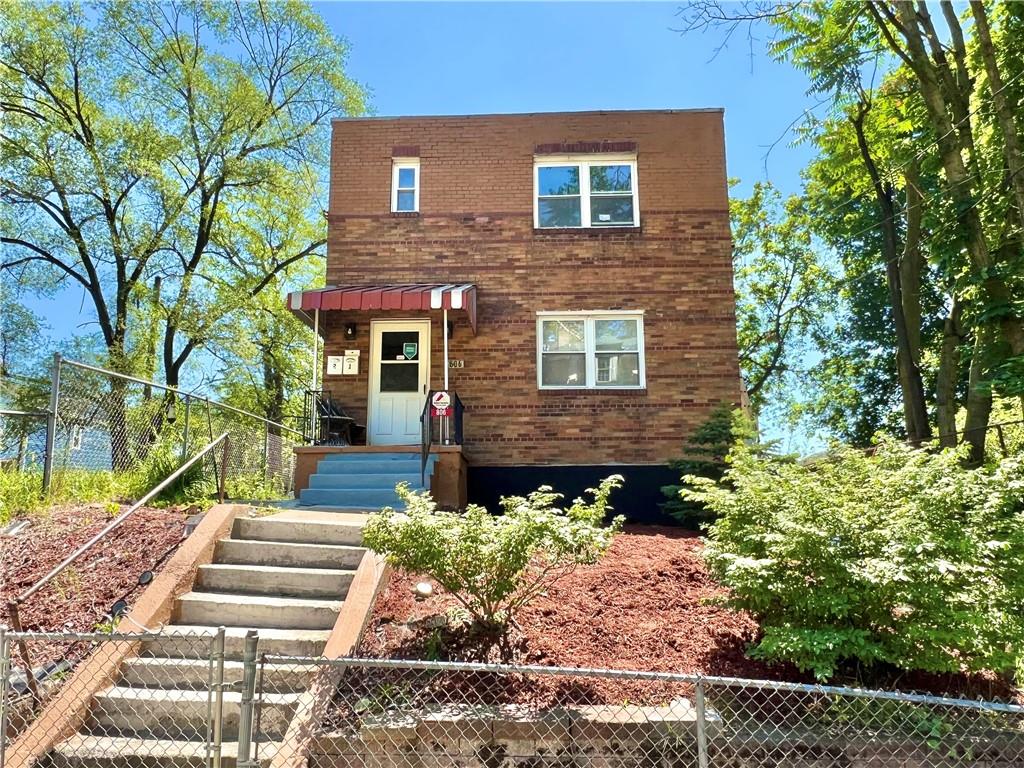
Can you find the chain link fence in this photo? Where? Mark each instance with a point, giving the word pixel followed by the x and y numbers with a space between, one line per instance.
pixel 194 698
pixel 126 433
pixel 425 714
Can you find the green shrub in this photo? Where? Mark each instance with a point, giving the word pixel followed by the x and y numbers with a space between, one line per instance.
pixel 903 557
pixel 495 564
pixel 704 455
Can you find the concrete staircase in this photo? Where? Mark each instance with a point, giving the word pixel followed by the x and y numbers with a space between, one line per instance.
pixel 364 480
pixel 286 575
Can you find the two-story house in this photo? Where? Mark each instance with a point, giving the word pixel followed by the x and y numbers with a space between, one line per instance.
pixel 583 262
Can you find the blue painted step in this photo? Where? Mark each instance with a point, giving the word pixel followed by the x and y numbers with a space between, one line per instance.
pixel 364 480
pixel 370 467
pixel 353 480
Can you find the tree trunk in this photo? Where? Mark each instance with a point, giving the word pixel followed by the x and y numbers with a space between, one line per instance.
pixel 912 263
pixel 979 400
pixel 948 376
pixel 958 179
pixel 1003 108
pixel 915 412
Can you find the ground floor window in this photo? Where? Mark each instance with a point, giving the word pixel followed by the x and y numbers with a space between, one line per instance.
pixel 590 350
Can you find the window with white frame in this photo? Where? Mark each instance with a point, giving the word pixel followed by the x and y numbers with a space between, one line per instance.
pixel 596 191
pixel 405 185
pixel 590 350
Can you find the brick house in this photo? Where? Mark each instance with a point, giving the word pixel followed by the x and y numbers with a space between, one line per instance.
pixel 583 262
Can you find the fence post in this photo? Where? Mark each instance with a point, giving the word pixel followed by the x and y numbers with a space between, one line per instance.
pixel 246 709
pixel 702 735
pixel 5 673
pixel 222 480
pixel 217 715
pixel 51 423
pixel 184 429
pixel 266 451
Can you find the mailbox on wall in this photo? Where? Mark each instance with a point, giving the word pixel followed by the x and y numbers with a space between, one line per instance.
pixel 343 365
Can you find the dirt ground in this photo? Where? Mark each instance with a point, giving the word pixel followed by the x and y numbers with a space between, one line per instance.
pixel 648 604
pixel 80 598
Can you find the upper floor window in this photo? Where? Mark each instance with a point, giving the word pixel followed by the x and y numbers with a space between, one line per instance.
pixel 598 191
pixel 405 186
pixel 590 350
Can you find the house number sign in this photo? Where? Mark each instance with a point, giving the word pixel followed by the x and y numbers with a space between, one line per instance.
pixel 456 363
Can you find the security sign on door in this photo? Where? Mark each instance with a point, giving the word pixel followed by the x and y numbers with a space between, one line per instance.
pixel 441 404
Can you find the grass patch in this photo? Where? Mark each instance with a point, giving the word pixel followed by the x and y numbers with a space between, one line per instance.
pixel 21 491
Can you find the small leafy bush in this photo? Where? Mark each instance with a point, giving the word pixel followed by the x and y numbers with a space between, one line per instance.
pixel 495 564
pixel 903 557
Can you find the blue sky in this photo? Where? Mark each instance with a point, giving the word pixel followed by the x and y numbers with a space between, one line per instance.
pixel 455 58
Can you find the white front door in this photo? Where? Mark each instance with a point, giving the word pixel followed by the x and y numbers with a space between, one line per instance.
pixel 399 377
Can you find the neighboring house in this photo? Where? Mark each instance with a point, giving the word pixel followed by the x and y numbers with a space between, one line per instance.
pixel 586 261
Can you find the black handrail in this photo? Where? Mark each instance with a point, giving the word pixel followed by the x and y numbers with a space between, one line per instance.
pixel 427 433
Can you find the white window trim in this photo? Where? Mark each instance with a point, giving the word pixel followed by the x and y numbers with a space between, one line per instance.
pixel 585 162
pixel 590 347
pixel 398 164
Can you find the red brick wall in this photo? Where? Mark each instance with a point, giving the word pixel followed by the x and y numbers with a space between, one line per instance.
pixel 475 224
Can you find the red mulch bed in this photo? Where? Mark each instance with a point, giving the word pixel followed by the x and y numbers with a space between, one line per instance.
pixel 649 604
pixel 81 597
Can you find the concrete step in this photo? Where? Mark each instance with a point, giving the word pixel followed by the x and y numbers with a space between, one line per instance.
pixel 83 750
pixel 198 674
pixel 326 583
pixel 331 466
pixel 275 642
pixel 297 530
pixel 360 480
pixel 351 498
pixel 180 715
pixel 287 554
pixel 256 611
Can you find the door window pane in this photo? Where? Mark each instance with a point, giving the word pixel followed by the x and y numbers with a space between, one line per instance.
pixel 564 370
pixel 393 345
pixel 615 334
pixel 559 211
pixel 563 336
pixel 399 377
pixel 618 370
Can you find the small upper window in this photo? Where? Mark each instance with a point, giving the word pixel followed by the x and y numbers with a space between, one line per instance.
pixel 405 186
pixel 599 191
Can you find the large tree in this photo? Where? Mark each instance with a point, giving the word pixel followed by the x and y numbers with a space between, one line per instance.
pixel 918 189
pixel 134 132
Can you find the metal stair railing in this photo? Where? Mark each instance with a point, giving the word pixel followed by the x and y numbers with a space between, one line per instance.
pixel 13 605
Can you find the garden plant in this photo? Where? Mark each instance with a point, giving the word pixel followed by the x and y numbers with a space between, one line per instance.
pixel 493 565
pixel 901 557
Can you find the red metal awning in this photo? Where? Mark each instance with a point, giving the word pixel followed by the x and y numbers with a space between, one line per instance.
pixel 414 296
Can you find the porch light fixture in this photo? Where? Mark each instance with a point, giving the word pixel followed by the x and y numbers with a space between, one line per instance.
pixel 350 330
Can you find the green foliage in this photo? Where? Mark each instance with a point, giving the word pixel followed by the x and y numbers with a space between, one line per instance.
pixel 784 291
pixel 902 557
pixel 495 564
pixel 704 455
